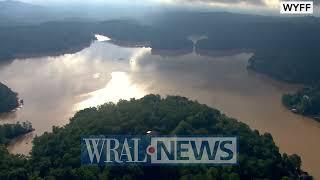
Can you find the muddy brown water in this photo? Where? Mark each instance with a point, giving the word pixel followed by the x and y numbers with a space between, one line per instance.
pixel 54 88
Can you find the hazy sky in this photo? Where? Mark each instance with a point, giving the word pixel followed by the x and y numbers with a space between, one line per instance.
pixel 253 6
pixel 208 3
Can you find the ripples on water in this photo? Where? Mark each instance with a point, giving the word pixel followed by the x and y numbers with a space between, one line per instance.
pixel 54 88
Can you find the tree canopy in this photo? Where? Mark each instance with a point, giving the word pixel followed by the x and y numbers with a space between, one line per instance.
pixel 305 101
pixel 8 99
pixel 57 155
pixel 13 166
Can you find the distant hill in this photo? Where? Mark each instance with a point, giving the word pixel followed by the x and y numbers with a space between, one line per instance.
pixel 11 4
pixel 16 12
pixel 284 48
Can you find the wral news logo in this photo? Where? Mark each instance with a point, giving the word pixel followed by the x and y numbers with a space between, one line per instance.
pixel 296 7
pixel 151 150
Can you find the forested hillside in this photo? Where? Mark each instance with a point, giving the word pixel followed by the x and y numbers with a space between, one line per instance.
pixel 10 131
pixel 260 34
pixel 305 101
pixel 8 99
pixel 12 166
pixel 57 154
pixel 53 38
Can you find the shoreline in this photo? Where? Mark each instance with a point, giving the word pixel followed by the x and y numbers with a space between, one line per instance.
pixel 70 50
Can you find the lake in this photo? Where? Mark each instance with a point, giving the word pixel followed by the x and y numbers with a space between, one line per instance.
pixel 54 88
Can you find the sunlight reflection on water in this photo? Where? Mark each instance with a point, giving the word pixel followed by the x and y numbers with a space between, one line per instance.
pixel 101 38
pixel 119 87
